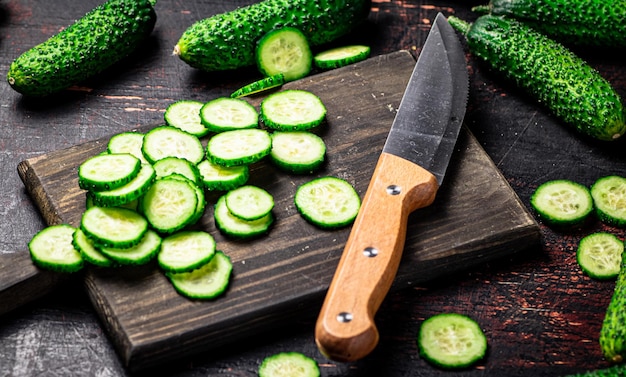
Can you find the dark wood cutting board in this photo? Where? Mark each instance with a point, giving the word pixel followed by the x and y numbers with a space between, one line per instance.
pixel 476 217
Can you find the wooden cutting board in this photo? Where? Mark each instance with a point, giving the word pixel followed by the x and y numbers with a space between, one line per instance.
pixel 476 217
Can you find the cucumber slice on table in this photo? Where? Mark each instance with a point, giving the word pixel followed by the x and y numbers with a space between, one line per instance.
pixel 451 340
pixel 292 110
pixel 222 178
pixel 176 165
pixel 249 202
pixel 88 251
pixel 167 141
pixel 328 202
pixel 234 227
pixel 170 204
pixel 285 50
pixel 239 147
pixel 227 114
pixel 297 151
pixel 207 281
pixel 609 197
pixel 127 194
pixel 599 255
pixel 185 251
pixel 108 171
pixel 127 142
pixel 185 115
pixel 113 226
pixel 141 253
pixel 289 364
pixel 259 86
pixel 341 56
pixel 52 248
pixel 562 202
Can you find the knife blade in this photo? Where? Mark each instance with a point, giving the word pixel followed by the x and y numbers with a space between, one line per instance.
pixel 407 176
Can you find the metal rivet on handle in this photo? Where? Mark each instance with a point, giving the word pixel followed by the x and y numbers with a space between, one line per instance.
pixel 370 252
pixel 394 190
pixel 344 317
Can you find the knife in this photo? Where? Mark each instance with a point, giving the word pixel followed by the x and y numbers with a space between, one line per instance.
pixel 407 176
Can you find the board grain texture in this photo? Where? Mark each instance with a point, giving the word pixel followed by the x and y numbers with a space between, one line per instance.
pixel 476 218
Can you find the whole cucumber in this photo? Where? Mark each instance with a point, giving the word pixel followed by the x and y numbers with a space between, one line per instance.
pixel 228 40
pixel 576 22
pixel 613 331
pixel 102 37
pixel 557 78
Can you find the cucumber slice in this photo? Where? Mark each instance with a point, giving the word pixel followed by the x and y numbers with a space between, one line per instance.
pixel 88 251
pixel 169 205
pixel 328 202
pixel 185 251
pixel 451 340
pixel 609 197
pixel 207 281
pixel 107 171
pixel 201 202
pixel 249 202
pixel 127 142
pixel 341 56
pixel 259 86
pixel 289 364
pixel 239 147
pixel 235 227
pixel 221 178
pixel 292 110
pixel 176 165
pixel 599 255
pixel 113 226
pixel 185 115
pixel 168 141
pixel 562 202
pixel 127 194
pixel 285 50
pixel 52 248
pixel 297 152
pixel 227 114
pixel 141 253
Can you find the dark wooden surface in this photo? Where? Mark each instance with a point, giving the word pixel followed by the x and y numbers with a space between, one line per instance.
pixel 288 271
pixel 539 312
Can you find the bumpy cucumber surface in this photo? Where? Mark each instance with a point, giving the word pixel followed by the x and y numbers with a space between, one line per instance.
pixel 579 22
pixel 568 86
pixel 228 40
pixel 102 37
pixel 613 331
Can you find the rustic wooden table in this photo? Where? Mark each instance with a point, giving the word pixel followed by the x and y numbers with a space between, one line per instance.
pixel 540 313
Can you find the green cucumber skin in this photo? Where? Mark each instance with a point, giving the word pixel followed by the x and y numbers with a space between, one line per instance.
pixel 102 37
pixel 614 371
pixel 613 331
pixel 557 78
pixel 578 22
pixel 228 40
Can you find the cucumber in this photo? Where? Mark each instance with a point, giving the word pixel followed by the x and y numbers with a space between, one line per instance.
pixel 292 110
pixel 451 341
pixel 578 22
pixel 127 194
pixel 328 202
pixel 113 226
pixel 169 205
pixel 599 255
pixel 234 227
pixel 562 202
pixel 609 196
pixel 341 56
pixel 167 141
pixel 127 142
pixel 613 330
pixel 285 50
pixel 261 85
pixel 176 165
pixel 141 253
pixel 613 371
pixel 249 202
pixel 88 251
pixel 298 152
pixel 108 171
pixel 207 281
pixel 227 114
pixel 185 251
pixel 221 178
pixel 239 147
pixel 228 40
pixel 96 41
pixel 185 114
pixel 289 364
pixel 557 78
pixel 52 248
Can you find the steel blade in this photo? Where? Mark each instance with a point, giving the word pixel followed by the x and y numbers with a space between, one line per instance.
pixel 431 111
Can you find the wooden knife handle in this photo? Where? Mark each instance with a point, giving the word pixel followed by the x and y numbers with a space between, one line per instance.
pixel 345 329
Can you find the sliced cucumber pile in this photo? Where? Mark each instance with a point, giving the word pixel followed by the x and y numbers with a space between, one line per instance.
pixel 145 195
